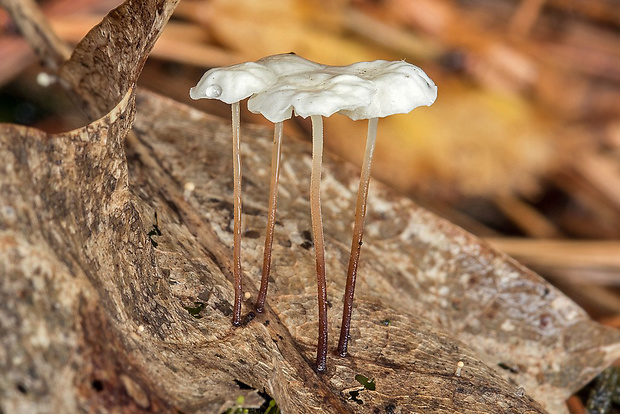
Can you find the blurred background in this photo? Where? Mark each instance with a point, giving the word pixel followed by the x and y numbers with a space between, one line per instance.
pixel 522 146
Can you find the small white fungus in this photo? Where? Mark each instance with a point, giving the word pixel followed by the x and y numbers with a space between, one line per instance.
pixel 280 84
pixel 362 90
pixel 459 367
pixel 401 87
pixel 288 64
pixel 315 92
pixel 233 83
pixel 45 79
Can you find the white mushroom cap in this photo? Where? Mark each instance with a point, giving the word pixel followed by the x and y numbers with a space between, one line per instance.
pixel 233 83
pixel 282 83
pixel 307 87
pixel 323 91
pixel 401 87
pixel 289 64
pixel 360 91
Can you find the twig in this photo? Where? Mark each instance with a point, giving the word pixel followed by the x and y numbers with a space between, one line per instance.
pixel 392 37
pixel 606 11
pixel 525 17
pixel 35 28
pixel 575 406
pixel 602 172
pixel 527 218
pixel 578 261
pixel 180 42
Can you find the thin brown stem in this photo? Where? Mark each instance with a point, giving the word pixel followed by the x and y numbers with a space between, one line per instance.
pixel 35 28
pixel 317 230
pixel 236 319
pixel 358 233
pixel 271 220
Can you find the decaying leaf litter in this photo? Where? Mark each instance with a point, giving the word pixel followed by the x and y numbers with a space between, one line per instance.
pixel 428 230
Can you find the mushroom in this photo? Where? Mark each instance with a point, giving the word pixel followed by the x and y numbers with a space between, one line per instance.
pixel 271 216
pixel 316 91
pixel 282 64
pixel 401 87
pixel 280 84
pixel 231 85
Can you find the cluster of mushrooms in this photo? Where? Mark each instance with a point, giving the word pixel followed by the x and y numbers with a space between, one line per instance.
pixel 280 84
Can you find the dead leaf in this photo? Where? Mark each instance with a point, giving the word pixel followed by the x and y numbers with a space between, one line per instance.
pixel 124 308
pixel 413 264
pixel 88 297
pixel 108 61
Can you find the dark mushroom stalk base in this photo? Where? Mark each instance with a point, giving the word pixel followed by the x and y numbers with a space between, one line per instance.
pixel 231 85
pixel 238 286
pixel 271 219
pixel 358 233
pixel 317 232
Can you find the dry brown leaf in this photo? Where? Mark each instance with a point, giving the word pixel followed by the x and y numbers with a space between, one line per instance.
pixel 180 42
pixel 413 261
pixel 121 300
pixel 87 297
pixel 108 61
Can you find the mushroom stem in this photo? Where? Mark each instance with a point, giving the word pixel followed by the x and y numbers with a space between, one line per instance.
pixel 236 319
pixel 271 220
pixel 317 230
pixel 358 233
